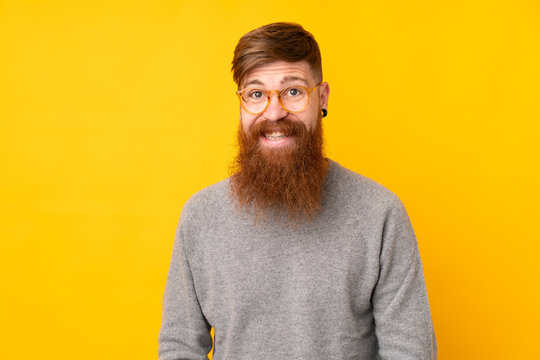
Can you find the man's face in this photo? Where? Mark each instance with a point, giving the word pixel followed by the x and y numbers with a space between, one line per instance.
pixel 280 162
pixel 276 76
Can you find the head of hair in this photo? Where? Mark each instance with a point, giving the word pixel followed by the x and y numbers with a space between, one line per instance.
pixel 277 41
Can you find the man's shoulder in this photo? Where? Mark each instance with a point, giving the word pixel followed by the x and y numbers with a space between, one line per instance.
pixel 352 187
pixel 208 200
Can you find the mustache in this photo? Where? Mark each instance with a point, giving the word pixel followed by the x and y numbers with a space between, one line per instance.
pixel 286 126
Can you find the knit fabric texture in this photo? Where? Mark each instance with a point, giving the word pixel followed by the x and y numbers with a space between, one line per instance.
pixel 347 285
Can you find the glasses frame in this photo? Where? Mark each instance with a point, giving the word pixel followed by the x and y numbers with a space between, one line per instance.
pixel 268 94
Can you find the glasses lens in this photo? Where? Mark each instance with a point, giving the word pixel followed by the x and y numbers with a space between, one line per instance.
pixel 294 98
pixel 254 100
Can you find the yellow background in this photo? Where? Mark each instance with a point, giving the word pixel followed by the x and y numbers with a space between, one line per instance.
pixel 113 113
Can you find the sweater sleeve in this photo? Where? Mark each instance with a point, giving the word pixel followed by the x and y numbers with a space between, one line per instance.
pixel 403 322
pixel 185 332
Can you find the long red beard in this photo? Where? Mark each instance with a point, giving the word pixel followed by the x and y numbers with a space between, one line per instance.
pixel 289 179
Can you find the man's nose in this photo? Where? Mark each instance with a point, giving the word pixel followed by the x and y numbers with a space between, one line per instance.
pixel 274 111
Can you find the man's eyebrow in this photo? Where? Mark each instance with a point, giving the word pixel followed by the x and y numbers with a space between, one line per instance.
pixel 289 78
pixel 294 78
pixel 253 82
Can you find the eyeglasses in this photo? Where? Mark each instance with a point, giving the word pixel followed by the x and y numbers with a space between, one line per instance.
pixel 293 99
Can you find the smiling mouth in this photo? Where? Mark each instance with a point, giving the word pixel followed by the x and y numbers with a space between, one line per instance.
pixel 275 135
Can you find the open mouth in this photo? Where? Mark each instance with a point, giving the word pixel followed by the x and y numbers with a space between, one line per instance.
pixel 275 135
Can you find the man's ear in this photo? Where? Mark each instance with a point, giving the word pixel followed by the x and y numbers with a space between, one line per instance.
pixel 324 91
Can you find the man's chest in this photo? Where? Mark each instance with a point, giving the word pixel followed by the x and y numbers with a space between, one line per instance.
pixel 259 273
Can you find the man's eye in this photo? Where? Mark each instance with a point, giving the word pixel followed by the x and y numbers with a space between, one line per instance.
pixel 293 92
pixel 256 94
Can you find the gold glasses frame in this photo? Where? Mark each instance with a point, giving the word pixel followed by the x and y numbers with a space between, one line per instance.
pixel 268 94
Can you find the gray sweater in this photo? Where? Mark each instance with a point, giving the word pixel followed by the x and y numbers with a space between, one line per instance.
pixel 348 285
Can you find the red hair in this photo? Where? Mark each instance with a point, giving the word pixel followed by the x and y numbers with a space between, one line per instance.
pixel 277 41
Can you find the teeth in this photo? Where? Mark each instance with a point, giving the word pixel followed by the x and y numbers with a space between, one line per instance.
pixel 276 135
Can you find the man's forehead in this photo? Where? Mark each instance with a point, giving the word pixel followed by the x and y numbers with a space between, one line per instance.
pixel 279 72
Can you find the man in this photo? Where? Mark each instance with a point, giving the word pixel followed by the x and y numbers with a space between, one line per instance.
pixel 294 256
